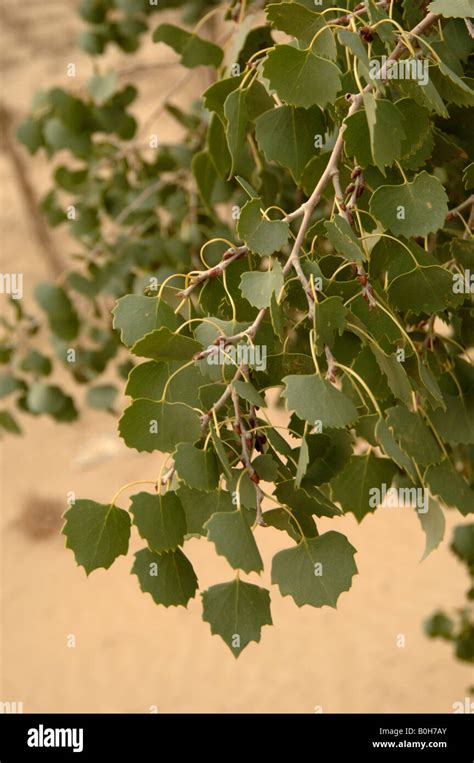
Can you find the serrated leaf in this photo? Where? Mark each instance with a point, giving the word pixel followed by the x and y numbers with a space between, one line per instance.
pixel 315 400
pixel 395 374
pixel 247 391
pixel 316 571
pixel 446 483
pixel 234 540
pixel 385 130
pixel 355 488
pixel 433 524
pixel 160 520
pixel 162 344
pixel 169 577
pixel 303 461
pixel 452 8
pixel 258 287
pixel 200 506
pixel 96 533
pixel 344 240
pixel 148 425
pixel 307 500
pixel 302 78
pixel 263 237
pixel 194 51
pixel 236 612
pixel 389 446
pixel 215 95
pixel 413 436
pixel 411 209
pixel 301 22
pixel 423 289
pixel 136 316
pixel 287 136
pixel 456 424
pixel 197 468
pixel 329 320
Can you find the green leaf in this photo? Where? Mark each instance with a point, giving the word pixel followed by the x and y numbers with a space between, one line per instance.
pixel 247 391
pixel 59 137
pixel 36 363
pixel 433 524
pixel 396 376
pixel 303 461
pixel 385 130
pixel 200 506
pixel 315 400
pixel 102 396
pixel 135 316
pixel 194 51
pixel 329 320
pixel 389 446
pixel 423 289
pixel 62 317
pixel 302 78
pixel 356 488
pixel 102 86
pixel 215 95
pixel 169 577
pixel 357 138
pixel 288 136
pixel 307 500
pixel 344 240
pixel 29 133
pixel 446 483
pixel 463 543
pixel 301 22
pixel 236 611
pixel 8 423
pixel 416 124
pixel 163 344
pixel 45 398
pixel 468 176
pixel 411 209
pixel 439 626
pixel 233 538
pixel 96 533
pixel 456 424
pixel 452 8
pixel 148 425
pixel 413 436
pixel 258 287
pixel 263 237
pixel 160 520
pixel 316 571
pixel 197 468
pixel 206 176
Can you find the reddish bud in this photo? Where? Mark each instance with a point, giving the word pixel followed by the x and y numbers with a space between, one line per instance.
pixel 356 172
pixel 214 272
pixel 350 188
pixel 254 477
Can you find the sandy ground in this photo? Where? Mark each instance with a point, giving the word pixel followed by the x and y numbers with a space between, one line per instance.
pixel 129 655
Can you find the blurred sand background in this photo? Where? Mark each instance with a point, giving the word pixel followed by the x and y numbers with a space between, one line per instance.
pixel 131 655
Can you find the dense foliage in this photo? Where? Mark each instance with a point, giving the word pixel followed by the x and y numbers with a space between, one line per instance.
pixel 311 234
